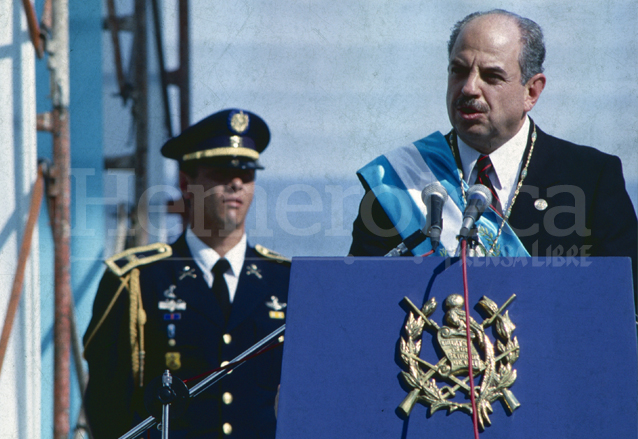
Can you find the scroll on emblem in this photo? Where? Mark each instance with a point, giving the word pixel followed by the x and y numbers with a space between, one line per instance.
pixel 492 362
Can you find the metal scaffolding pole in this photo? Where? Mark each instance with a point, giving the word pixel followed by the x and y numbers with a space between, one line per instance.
pixel 140 114
pixel 58 63
pixel 184 55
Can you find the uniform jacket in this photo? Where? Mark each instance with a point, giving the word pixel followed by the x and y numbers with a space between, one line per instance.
pixel 189 342
pixel 588 211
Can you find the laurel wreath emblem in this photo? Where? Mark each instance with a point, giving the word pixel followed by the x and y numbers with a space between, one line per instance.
pixel 495 366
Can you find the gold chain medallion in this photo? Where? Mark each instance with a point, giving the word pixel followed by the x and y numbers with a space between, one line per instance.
pixel 493 363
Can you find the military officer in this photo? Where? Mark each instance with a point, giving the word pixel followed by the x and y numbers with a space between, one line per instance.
pixel 191 306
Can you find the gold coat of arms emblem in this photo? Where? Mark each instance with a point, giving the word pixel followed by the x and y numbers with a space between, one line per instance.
pixel 445 385
pixel 239 122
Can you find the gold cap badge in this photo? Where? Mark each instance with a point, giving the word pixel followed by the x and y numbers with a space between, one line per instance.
pixel 239 122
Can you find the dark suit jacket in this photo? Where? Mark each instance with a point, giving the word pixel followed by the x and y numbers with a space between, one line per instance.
pixel 114 404
pixel 589 211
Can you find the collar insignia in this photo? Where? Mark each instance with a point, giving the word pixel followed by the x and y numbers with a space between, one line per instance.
pixel 492 363
pixel 252 269
pixel 188 271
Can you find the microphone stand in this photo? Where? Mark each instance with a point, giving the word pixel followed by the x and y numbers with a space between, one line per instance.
pixel 408 244
pixel 472 242
pixel 199 387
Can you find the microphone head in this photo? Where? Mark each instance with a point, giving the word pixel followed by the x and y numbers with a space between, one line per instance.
pixel 481 196
pixel 433 189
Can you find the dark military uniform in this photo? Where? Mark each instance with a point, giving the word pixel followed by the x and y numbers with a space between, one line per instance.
pixel 154 311
pixel 184 332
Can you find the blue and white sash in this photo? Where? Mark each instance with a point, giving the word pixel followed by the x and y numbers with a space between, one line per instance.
pixel 397 179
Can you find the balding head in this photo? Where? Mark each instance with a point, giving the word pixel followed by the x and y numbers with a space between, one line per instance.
pixel 532 54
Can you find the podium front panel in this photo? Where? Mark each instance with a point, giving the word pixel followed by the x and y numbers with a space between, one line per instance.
pixel 577 374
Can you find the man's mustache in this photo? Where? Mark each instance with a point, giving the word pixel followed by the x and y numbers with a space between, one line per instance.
pixel 471 103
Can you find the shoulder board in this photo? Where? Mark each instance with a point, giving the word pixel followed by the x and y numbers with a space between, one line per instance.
pixel 269 254
pixel 123 262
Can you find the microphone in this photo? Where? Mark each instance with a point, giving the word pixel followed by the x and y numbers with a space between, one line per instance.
pixel 478 198
pixel 435 195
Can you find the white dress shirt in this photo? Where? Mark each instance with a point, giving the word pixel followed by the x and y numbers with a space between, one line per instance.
pixel 206 258
pixel 506 164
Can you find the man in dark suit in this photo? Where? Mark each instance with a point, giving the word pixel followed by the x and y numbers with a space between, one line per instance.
pixel 550 197
pixel 193 306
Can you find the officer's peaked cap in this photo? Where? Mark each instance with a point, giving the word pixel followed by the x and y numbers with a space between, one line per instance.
pixel 231 138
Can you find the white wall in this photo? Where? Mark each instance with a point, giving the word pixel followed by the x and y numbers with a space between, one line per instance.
pixel 20 375
pixel 342 82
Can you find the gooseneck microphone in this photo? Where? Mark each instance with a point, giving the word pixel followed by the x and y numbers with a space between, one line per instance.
pixel 434 196
pixel 479 198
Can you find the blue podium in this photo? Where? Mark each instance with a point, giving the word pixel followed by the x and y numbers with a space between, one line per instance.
pixel 576 371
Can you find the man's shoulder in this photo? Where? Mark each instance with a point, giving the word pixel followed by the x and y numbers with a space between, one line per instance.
pixel 267 255
pixel 137 257
pixel 561 147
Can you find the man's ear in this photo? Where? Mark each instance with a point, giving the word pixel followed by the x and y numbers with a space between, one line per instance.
pixel 534 87
pixel 184 181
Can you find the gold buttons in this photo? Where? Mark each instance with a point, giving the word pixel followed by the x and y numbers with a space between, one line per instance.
pixel 227 428
pixel 281 339
pixel 227 338
pixel 224 363
pixel 227 397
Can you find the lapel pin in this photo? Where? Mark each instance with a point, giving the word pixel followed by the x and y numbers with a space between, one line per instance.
pixel 540 204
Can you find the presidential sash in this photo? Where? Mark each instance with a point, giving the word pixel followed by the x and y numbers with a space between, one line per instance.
pixel 397 179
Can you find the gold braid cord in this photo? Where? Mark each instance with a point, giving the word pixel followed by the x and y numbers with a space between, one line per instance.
pixel 137 319
pixel 123 284
pixel 124 265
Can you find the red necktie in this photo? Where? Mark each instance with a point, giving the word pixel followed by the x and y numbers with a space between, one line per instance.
pixel 484 164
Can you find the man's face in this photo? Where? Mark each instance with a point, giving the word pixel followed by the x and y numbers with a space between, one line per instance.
pixel 220 198
pixel 486 101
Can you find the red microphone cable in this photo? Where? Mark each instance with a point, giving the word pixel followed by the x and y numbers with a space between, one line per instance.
pixel 466 295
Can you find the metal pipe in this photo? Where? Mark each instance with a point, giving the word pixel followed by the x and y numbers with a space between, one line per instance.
pixel 58 63
pixel 34 28
pixel 23 256
pixel 140 115
pixel 159 46
pixel 184 68
pixel 61 240
pixel 114 29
